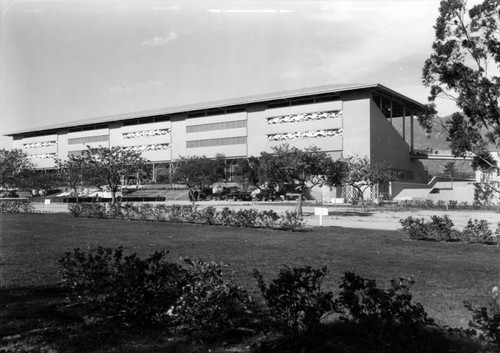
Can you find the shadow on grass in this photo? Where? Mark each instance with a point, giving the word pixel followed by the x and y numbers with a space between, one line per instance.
pixel 350 337
pixel 39 317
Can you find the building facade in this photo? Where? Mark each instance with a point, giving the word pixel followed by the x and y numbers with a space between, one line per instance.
pixel 339 119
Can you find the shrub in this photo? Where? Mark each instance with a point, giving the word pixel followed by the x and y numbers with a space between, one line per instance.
pixel 441 228
pixel 415 227
pixel 478 232
pixel 245 218
pixel 90 209
pixel 11 206
pixel 113 286
pixel 207 215
pixel 453 204
pixel 361 301
pixel 441 204
pixel 209 304
pixel 189 214
pixel 267 219
pixel 295 299
pixel 180 214
pixel 487 319
pixel 290 221
pixel 75 209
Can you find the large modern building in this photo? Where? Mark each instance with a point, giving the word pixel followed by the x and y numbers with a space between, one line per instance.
pixel 339 119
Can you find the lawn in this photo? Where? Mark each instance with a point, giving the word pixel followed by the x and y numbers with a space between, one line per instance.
pixel 447 273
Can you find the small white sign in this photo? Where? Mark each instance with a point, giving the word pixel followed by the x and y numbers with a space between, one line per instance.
pixel 47 201
pixel 321 211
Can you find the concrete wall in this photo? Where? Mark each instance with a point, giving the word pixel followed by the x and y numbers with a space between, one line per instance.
pixel 40 154
pixel 259 129
pixel 356 123
pixel 75 147
pixel 398 186
pixel 386 144
pixel 229 150
pixel 436 190
pixel 358 126
pixel 142 138
pixel 461 191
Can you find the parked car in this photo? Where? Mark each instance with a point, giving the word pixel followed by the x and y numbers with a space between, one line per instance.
pixel 237 195
pixel 267 195
pixel 104 192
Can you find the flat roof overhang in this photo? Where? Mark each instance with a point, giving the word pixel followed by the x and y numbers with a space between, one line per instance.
pixel 234 104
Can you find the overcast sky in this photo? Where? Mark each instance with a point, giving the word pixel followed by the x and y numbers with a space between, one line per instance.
pixel 64 61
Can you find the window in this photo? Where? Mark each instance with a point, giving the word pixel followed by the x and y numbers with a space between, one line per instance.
pixel 239 140
pixel 88 139
pixel 75 153
pixel 217 126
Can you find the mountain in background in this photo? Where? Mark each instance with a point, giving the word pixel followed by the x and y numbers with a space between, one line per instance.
pixel 436 140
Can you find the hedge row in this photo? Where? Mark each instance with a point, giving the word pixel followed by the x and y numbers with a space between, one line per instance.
pixel 189 214
pixel 441 229
pixel 15 206
pixel 444 205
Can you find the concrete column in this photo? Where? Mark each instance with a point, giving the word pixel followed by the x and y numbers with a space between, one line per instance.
pixel 391 113
pixel 404 123
pixel 411 131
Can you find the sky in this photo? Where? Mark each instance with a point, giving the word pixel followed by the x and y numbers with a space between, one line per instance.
pixel 64 61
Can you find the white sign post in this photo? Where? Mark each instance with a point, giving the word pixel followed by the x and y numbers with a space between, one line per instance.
pixel 47 203
pixel 321 211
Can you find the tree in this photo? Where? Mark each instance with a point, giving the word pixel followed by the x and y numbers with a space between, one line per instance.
pixel 249 171
pixel 363 175
pixel 13 165
pixel 107 166
pixel 74 172
pixel 450 171
pixel 301 168
pixel 198 173
pixel 466 44
pixel 40 180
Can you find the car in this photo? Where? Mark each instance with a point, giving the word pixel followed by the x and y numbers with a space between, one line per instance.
pixel 238 195
pixel 267 195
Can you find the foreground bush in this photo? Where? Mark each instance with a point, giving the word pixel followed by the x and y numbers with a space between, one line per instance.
pixel 295 299
pixel 487 319
pixel 441 229
pixel 209 304
pixel 479 232
pixel 194 298
pixel 361 301
pixel 108 284
pixel 14 206
pixel 189 214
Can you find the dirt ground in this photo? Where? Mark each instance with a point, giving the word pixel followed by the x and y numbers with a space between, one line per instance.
pixel 340 216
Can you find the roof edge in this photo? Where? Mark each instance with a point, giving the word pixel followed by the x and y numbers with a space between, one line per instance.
pixel 253 99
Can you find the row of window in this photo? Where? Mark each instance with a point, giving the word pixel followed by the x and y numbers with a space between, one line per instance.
pixel 88 139
pixel 224 141
pixel 217 126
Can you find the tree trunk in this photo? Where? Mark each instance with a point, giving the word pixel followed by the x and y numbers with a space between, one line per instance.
pixel 298 206
pixel 192 197
pixel 76 194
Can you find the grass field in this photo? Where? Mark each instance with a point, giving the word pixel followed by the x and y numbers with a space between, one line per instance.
pixel 447 273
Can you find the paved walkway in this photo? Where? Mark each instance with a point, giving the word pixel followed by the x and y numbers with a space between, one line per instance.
pixel 340 216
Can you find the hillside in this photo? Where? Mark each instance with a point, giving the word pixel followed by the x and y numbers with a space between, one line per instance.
pixel 435 140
